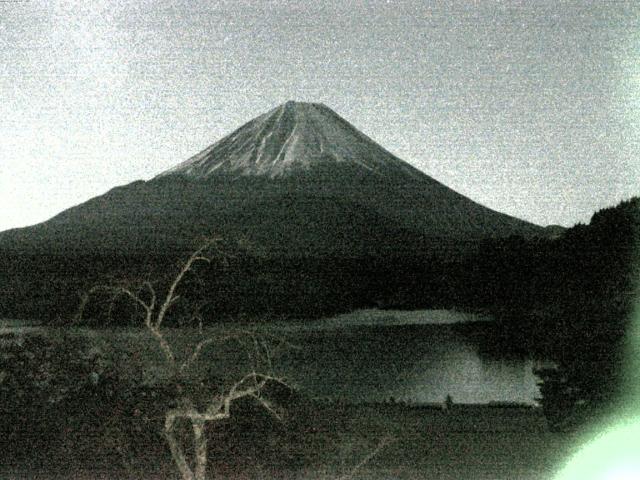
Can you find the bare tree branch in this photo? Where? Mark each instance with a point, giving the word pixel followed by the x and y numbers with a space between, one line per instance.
pixel 267 406
pixel 383 443
pixel 152 291
pixel 171 297
pixel 219 405
pixel 200 346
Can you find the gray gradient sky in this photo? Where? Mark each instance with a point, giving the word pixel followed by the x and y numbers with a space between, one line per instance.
pixel 528 107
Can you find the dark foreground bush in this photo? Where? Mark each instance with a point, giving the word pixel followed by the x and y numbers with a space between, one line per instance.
pixel 64 407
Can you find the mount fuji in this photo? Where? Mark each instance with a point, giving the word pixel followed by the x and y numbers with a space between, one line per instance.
pixel 307 192
pixel 298 180
pixel 290 139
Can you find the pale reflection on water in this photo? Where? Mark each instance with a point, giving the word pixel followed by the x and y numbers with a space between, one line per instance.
pixel 370 355
pixel 411 363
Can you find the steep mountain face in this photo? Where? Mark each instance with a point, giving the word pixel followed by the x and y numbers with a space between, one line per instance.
pixel 296 181
pixel 291 139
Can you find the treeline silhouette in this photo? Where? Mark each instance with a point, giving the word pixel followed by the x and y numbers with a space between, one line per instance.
pixel 48 288
pixel 524 282
pixel 569 300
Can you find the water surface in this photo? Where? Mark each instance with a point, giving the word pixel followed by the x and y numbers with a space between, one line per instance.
pixel 364 356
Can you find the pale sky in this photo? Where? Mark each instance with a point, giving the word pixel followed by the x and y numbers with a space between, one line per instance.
pixel 528 107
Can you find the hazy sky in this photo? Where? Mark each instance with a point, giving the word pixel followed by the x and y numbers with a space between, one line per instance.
pixel 528 107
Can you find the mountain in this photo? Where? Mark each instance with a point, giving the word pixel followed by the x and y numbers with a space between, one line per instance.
pixel 297 180
pixel 311 195
pixel 291 139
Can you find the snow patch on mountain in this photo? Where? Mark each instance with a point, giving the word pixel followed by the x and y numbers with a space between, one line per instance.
pixel 291 138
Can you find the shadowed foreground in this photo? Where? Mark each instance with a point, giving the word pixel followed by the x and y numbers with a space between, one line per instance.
pixel 322 441
pixel 70 411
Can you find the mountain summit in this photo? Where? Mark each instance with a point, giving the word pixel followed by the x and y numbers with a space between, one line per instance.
pixel 291 138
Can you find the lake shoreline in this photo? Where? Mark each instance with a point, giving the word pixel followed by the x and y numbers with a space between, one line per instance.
pixel 417 357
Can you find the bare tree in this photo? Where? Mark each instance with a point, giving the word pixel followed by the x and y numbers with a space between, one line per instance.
pixel 218 404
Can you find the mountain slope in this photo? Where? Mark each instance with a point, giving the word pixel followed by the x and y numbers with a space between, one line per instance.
pixel 292 138
pixel 332 222
pixel 298 180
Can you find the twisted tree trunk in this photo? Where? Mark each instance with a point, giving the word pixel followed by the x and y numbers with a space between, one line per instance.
pixel 200 443
pixel 198 422
pixel 219 406
pixel 177 453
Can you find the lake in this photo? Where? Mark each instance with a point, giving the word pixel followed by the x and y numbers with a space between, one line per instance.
pixel 416 357
pixel 365 356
